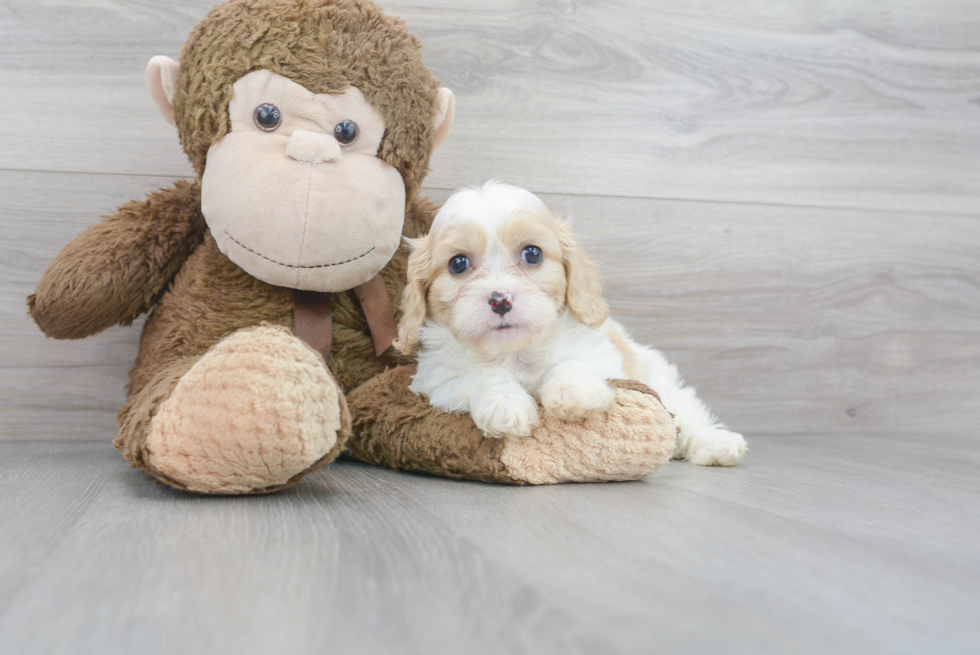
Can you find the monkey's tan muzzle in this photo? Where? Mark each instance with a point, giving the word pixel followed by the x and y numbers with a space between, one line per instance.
pixel 302 214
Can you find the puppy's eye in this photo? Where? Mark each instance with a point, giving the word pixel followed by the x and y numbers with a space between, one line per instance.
pixel 459 264
pixel 531 255
pixel 346 132
pixel 267 117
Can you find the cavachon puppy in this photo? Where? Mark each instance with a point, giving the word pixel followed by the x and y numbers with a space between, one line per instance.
pixel 507 308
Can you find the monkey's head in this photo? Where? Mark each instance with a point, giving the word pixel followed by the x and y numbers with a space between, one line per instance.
pixel 310 124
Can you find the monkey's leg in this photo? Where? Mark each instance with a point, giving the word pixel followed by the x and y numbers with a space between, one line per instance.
pixel 395 428
pixel 254 414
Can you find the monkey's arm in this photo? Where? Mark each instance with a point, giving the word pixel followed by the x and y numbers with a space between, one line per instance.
pixel 117 269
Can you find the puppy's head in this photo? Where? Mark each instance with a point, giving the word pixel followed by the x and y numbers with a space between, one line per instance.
pixel 498 270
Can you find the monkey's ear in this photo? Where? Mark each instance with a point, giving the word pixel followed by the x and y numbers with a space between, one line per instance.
pixel 161 77
pixel 443 119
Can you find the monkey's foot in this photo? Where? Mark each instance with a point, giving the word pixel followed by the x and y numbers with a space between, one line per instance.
pixel 396 428
pixel 634 437
pixel 254 414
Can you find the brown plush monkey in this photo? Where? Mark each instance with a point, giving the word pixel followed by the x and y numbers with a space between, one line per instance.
pixel 310 124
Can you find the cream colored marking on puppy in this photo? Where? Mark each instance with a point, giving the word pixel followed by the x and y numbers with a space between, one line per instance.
pixel 507 307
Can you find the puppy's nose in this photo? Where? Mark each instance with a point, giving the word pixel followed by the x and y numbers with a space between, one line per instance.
pixel 501 302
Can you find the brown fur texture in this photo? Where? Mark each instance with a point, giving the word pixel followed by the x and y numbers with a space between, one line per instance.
pixel 400 430
pixel 212 323
pixel 212 299
pixel 324 46
pixel 119 268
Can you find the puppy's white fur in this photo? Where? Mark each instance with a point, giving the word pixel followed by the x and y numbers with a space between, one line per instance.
pixel 554 342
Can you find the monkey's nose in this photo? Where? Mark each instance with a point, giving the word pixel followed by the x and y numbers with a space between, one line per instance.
pixel 313 147
pixel 501 303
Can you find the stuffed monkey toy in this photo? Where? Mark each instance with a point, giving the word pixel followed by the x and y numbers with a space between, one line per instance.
pixel 271 278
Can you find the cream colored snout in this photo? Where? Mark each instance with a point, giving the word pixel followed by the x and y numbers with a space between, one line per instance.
pixel 313 147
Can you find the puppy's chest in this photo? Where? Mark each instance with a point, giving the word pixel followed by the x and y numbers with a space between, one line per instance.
pixel 529 373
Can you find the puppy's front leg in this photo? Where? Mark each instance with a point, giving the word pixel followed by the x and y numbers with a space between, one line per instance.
pixel 573 390
pixel 500 406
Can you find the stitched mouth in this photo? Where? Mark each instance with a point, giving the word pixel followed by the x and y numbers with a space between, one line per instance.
pixel 269 259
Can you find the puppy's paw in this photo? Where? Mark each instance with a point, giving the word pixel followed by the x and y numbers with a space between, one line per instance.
pixel 716 447
pixel 572 397
pixel 506 414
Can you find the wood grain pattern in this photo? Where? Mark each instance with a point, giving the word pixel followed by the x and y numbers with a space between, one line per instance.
pixel 798 320
pixel 847 105
pixel 868 547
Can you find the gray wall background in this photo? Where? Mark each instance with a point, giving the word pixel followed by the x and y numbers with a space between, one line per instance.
pixel 783 195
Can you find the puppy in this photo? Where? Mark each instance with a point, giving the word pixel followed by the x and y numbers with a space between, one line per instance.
pixel 508 308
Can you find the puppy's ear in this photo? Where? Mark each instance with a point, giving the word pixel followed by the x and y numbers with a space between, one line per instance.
pixel 413 297
pixel 584 293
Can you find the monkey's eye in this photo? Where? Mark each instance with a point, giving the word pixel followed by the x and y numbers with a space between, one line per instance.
pixel 531 255
pixel 267 117
pixel 459 264
pixel 345 132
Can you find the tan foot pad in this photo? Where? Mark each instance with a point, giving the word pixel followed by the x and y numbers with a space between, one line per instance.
pixel 255 412
pixel 633 438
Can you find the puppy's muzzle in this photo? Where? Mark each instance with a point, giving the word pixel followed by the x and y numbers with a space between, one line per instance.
pixel 501 303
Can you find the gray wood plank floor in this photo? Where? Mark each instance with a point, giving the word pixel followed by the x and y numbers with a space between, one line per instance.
pixel 815 545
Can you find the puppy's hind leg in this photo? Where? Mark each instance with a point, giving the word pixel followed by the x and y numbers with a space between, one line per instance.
pixel 701 439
